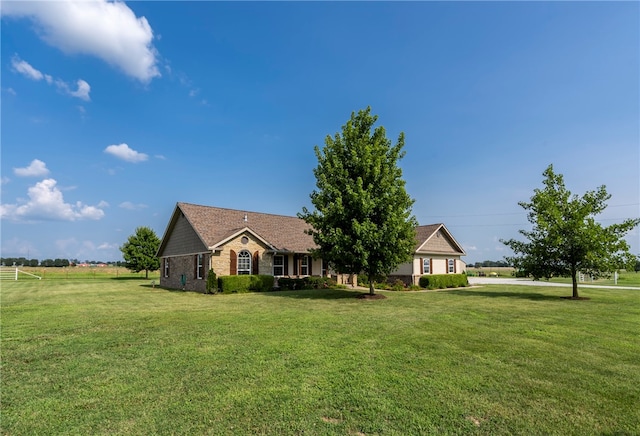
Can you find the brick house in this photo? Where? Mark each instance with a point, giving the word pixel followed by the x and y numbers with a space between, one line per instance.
pixel 200 238
pixel 436 252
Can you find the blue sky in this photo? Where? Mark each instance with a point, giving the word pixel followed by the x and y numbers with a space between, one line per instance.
pixel 113 112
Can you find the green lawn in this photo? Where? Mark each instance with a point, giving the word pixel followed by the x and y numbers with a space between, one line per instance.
pixel 118 357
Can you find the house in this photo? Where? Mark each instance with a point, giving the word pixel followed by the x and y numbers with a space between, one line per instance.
pixel 200 238
pixel 436 252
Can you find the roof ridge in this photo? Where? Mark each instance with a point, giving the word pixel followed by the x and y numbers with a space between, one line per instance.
pixel 238 210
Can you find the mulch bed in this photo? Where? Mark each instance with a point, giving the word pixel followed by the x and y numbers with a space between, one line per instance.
pixel 371 297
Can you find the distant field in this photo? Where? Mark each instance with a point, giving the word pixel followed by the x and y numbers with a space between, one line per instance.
pixel 84 356
pixel 77 272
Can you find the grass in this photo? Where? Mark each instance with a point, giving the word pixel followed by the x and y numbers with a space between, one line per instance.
pixel 120 357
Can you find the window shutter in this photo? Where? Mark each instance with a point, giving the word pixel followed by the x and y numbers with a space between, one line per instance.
pixel 233 257
pixel 295 264
pixel 430 265
pixel 446 265
pixel 310 263
pixel 254 266
pixel 195 266
pixel 421 266
pixel 286 265
pixel 454 266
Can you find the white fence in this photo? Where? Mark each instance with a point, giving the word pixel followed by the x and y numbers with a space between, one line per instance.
pixel 11 273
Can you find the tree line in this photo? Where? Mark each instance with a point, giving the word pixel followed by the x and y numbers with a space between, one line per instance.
pixel 489 264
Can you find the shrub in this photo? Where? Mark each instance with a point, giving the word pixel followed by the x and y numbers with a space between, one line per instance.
pixel 519 273
pixel 212 282
pixel 289 284
pixel 398 285
pixel 311 282
pixel 245 283
pixel 441 281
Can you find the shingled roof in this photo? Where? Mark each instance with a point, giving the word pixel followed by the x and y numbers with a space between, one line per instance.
pixel 215 224
pixel 425 233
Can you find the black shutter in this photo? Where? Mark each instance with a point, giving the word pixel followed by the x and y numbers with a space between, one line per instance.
pixel 309 263
pixel 286 264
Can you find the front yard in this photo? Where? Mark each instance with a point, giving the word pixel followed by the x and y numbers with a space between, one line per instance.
pixel 120 357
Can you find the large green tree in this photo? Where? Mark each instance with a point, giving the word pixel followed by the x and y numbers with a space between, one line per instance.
pixel 139 252
pixel 362 222
pixel 565 238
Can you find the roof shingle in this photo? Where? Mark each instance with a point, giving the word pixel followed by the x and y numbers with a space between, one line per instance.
pixel 214 224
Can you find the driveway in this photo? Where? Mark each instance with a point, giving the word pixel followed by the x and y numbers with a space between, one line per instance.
pixel 529 282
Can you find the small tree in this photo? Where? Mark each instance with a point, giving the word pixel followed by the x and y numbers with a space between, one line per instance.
pixel 212 282
pixel 139 252
pixel 362 222
pixel 566 239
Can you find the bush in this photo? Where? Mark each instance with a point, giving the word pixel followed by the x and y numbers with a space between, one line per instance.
pixel 312 282
pixel 212 282
pixel 441 281
pixel 245 283
pixel 398 285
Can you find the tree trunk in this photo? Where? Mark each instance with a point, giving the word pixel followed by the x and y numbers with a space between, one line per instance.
pixel 574 282
pixel 146 273
pixel 371 291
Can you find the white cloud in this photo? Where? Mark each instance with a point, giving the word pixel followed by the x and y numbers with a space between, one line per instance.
pixel 131 206
pixel 25 68
pixel 107 246
pixel 36 168
pixel 16 247
pixel 11 91
pixel 82 92
pixel 108 30
pixel 47 203
pixel 4 180
pixel 124 152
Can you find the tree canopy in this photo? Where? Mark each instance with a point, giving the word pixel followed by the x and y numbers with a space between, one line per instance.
pixel 362 222
pixel 139 252
pixel 566 239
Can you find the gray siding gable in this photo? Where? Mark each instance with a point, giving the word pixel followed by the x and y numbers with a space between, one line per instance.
pixel 182 238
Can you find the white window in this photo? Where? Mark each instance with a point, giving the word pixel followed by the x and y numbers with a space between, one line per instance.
pixel 304 266
pixel 278 265
pixel 200 266
pixel 244 262
pixel 166 267
pixel 426 266
pixel 451 265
